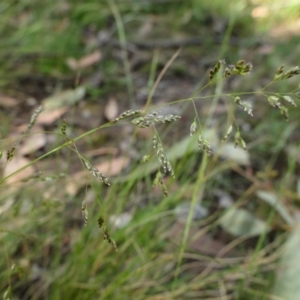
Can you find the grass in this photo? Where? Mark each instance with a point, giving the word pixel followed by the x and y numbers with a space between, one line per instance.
pixel 50 254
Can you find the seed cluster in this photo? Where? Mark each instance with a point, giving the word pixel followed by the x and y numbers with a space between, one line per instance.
pixel 280 75
pixel 127 113
pixel 204 145
pixel 274 102
pixel 238 141
pixel 229 130
pixel 34 117
pixel 64 128
pixel 240 68
pixel 152 118
pixel 246 106
pixel 84 211
pixel 162 158
pixel 95 172
pixel 10 153
pixel 106 235
pixel 193 127
pixel 215 69
pixel 160 180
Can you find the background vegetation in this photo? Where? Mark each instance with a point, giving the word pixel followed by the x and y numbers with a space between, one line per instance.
pixel 228 228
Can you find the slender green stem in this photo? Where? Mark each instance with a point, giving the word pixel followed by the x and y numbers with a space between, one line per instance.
pixel 199 186
pixel 160 76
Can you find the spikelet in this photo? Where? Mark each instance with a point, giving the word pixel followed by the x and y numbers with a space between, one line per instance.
pixel 204 145
pixel 84 211
pixel 215 69
pixel 126 114
pixel 95 172
pixel 160 180
pixel 193 127
pixel 246 106
pixel 10 153
pixel 238 141
pixel 152 118
pixel 162 158
pixel 106 235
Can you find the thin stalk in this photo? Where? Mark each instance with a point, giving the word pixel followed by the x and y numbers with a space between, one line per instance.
pixel 122 38
pixel 199 186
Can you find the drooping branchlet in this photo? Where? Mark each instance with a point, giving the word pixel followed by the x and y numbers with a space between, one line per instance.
pixel 229 130
pixel 160 180
pixel 95 172
pixel 274 101
pixel 246 106
pixel 33 118
pixel 162 158
pixel 106 235
pixel 284 111
pixel 238 141
pixel 193 127
pixel 204 145
pixel 84 211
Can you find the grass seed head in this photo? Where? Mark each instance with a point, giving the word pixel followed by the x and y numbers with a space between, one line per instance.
pixel 204 145
pixel 238 141
pixel 96 173
pixel 127 113
pixel 193 127
pixel 64 128
pixel 34 118
pixel 152 118
pixel 85 213
pixel 10 153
